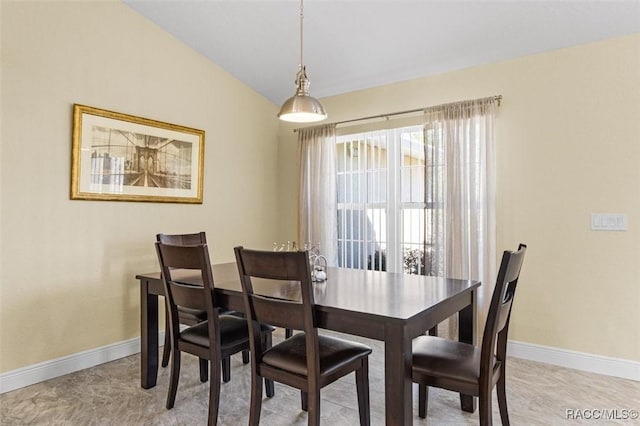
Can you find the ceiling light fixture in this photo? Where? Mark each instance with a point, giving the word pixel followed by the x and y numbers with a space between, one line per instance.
pixel 302 108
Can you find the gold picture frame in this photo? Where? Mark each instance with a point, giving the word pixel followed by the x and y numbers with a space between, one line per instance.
pixel 121 157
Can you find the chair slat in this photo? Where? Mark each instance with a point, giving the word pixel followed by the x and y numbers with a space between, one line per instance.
pixel 281 313
pixel 183 239
pixel 182 257
pixel 188 296
pixel 503 314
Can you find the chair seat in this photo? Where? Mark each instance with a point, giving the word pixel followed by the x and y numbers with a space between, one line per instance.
pixel 291 356
pixel 438 357
pixel 233 330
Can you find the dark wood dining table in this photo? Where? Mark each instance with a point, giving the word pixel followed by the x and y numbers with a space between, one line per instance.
pixel 385 306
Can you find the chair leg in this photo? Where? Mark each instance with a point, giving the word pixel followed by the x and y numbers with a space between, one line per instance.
pixel 362 386
pixel 423 400
pixel 166 352
pixel 502 398
pixel 226 369
pixel 245 353
pixel 288 333
pixel 214 393
pixel 304 401
pixel 270 387
pixel 268 384
pixel 204 369
pixel 485 406
pixel 313 414
pixel 173 379
pixel 256 400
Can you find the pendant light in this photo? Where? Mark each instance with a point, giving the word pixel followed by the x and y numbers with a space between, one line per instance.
pixel 302 108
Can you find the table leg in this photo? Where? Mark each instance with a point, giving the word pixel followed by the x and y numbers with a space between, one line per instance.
pixel 467 334
pixel 397 379
pixel 148 336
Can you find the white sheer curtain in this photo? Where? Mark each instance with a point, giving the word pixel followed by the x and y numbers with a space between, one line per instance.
pixel 317 220
pixel 461 187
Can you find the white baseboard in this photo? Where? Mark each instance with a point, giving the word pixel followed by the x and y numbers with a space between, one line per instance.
pixel 40 372
pixel 608 366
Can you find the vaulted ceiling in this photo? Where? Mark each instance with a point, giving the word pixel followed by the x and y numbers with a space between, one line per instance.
pixel 351 45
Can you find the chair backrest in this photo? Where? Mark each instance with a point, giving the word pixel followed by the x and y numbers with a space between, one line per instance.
pixel 174 258
pixel 182 239
pixel 254 266
pixel 494 339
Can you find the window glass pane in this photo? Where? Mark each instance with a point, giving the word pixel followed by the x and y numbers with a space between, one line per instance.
pixel 362 187
pixel 376 233
pixel 412 164
pixel 341 190
pixel 413 184
pixel 377 186
pixel 341 155
pixel 363 179
pixel 413 240
pixel 413 226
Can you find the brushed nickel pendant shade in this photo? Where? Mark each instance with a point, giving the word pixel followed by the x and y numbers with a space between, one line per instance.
pixel 301 107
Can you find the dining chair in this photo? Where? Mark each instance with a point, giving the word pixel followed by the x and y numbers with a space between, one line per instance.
pixel 215 339
pixel 466 368
pixel 307 361
pixel 192 316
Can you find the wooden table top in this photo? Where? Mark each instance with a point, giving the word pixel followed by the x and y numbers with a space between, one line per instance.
pixel 388 294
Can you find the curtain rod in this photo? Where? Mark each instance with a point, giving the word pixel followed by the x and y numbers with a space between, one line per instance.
pixel 497 99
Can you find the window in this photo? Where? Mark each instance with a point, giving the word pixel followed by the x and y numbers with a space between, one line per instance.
pixel 385 203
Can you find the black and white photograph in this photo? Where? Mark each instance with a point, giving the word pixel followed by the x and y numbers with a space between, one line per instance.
pixel 123 157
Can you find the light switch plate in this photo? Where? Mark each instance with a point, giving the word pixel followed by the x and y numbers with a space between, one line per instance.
pixel 609 221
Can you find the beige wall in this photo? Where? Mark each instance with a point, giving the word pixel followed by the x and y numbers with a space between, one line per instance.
pixel 568 145
pixel 568 137
pixel 67 277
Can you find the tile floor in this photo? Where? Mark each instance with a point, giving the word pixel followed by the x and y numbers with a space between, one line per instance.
pixel 110 394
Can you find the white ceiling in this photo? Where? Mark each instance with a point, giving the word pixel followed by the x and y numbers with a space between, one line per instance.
pixel 356 44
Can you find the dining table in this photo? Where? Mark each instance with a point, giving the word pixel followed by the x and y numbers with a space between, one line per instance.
pixel 390 307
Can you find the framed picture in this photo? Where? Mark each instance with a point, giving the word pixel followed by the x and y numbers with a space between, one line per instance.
pixel 120 157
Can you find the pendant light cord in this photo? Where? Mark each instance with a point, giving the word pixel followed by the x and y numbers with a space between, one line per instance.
pixel 301 32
